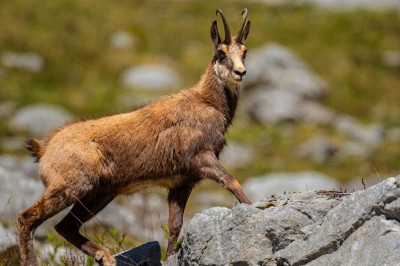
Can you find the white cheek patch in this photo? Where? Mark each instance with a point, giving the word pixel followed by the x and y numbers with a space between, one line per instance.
pixel 221 71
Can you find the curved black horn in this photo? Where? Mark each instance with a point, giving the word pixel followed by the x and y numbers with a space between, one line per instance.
pixel 239 35
pixel 226 27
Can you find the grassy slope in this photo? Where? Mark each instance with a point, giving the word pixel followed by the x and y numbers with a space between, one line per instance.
pixel 82 71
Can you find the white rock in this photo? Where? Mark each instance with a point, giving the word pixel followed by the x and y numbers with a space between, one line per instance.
pixel 280 182
pixel 391 58
pixel 17 192
pixel 25 164
pixel 7 238
pixel 39 119
pixel 122 40
pixel 319 149
pixel 354 4
pixel 29 61
pixel 372 134
pixel 278 105
pixel 275 67
pixel 152 77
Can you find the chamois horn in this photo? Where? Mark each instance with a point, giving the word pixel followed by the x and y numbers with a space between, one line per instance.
pixel 226 27
pixel 240 33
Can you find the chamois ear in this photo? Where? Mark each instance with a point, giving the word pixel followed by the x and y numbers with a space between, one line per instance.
pixel 246 32
pixel 214 34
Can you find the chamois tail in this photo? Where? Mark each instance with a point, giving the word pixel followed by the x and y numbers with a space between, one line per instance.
pixel 35 147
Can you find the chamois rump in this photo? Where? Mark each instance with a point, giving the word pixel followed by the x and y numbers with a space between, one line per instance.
pixel 174 143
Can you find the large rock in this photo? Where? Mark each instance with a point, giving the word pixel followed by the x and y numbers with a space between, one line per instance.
pixel 273 106
pixel 20 163
pixel 283 88
pixel 275 67
pixel 152 77
pixel 39 119
pixel 18 192
pixel 309 228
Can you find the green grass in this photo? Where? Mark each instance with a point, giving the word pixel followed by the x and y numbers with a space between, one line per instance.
pixel 82 71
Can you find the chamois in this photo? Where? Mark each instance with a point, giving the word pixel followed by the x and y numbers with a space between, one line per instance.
pixel 174 143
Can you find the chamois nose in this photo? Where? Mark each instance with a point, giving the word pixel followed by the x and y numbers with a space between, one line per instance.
pixel 240 73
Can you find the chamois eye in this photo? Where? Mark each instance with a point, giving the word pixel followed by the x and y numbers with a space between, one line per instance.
pixel 221 55
pixel 244 54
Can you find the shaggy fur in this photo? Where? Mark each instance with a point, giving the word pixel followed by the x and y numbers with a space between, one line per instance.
pixel 173 143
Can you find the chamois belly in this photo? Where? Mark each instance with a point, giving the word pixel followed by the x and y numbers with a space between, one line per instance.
pixel 138 185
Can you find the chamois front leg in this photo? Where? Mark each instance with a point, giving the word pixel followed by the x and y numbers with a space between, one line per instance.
pixel 210 167
pixel 177 199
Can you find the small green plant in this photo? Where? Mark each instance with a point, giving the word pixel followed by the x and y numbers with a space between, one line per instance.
pixel 178 242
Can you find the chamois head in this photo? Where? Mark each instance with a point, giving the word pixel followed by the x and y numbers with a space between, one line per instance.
pixel 230 53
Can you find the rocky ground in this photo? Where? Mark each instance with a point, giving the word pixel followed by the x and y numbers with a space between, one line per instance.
pixel 311 228
pixel 298 128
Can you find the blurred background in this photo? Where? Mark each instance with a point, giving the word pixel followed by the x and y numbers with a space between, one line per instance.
pixel 319 108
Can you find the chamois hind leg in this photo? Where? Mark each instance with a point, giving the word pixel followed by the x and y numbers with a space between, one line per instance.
pixel 80 213
pixel 210 167
pixel 53 200
pixel 177 199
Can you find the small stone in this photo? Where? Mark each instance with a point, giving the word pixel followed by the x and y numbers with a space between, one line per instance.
pixel 319 149
pixel 29 61
pixel 370 135
pixel 152 77
pixel 122 40
pixel 391 58
pixel 40 119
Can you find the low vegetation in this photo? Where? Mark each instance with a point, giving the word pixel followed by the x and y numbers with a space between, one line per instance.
pixel 82 69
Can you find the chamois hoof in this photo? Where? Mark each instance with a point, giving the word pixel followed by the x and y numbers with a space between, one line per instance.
pixel 105 259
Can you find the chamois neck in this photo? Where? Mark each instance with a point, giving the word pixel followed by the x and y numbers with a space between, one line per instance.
pixel 224 97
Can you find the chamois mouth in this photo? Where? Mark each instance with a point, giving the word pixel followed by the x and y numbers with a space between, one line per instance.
pixel 238 78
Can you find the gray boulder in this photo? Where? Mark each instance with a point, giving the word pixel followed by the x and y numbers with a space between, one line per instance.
pixel 308 228
pixel 39 119
pixel 283 88
pixel 273 106
pixel 17 163
pixel 324 149
pixel 275 67
pixel 371 135
pixel 152 77
pixel 18 192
